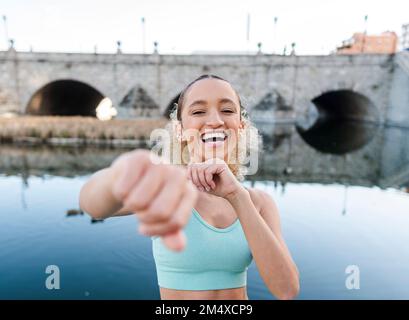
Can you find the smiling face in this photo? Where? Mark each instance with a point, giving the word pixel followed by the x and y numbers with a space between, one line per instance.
pixel 210 119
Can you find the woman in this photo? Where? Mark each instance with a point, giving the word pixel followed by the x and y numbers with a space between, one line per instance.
pixel 203 241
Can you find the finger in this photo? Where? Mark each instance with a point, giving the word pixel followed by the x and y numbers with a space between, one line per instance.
pixel 179 218
pixel 195 178
pixel 146 189
pixel 130 168
pixel 167 200
pixel 175 241
pixel 202 178
pixel 209 177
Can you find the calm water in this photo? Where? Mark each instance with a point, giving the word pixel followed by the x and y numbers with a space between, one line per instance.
pixel 341 191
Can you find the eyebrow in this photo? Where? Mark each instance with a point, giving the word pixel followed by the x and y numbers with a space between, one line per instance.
pixel 201 102
pixel 204 102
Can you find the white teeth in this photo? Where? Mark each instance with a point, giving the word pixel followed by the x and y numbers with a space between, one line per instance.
pixel 214 135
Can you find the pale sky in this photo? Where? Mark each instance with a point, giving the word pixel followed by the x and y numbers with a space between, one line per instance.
pixel 183 26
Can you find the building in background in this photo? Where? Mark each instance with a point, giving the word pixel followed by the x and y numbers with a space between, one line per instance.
pixel 385 42
pixel 405 37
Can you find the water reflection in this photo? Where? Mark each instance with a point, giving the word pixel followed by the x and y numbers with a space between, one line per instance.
pixel 371 155
pixel 338 137
pixel 349 153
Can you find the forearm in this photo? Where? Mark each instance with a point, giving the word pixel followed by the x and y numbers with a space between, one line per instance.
pixel 276 268
pixel 96 197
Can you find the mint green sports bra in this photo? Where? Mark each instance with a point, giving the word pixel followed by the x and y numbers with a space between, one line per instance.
pixel 214 258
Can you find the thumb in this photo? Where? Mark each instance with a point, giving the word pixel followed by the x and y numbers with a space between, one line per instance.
pixel 175 241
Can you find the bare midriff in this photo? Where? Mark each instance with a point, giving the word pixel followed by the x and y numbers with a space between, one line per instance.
pixel 222 294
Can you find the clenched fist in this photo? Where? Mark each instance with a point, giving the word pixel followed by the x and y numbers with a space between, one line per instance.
pixel 214 176
pixel 160 195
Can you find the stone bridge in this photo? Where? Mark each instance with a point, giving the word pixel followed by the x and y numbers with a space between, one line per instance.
pixel 276 88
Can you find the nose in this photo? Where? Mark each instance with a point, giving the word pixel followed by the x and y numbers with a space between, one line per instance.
pixel 214 119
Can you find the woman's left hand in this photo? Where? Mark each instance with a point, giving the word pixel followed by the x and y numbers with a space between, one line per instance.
pixel 215 177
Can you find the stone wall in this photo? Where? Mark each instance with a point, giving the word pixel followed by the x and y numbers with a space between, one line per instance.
pixel 294 81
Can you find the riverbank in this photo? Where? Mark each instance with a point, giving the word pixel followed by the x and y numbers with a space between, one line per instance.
pixel 76 130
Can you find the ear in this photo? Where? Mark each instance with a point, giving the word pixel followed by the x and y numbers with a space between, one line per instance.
pixel 241 126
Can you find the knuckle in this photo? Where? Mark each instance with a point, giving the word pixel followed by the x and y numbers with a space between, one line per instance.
pixel 140 216
pixel 164 230
pixel 121 159
pixel 177 222
pixel 132 203
pixel 158 213
pixel 139 155
pixel 119 192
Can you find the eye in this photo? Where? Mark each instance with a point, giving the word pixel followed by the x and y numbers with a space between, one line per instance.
pixel 228 111
pixel 197 112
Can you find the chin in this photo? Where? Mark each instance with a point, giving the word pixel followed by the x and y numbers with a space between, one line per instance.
pixel 210 152
pixel 216 154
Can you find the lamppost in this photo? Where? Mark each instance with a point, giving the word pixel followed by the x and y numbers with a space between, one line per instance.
pixel 143 34
pixel 293 48
pixel 275 35
pixel 259 47
pixel 5 30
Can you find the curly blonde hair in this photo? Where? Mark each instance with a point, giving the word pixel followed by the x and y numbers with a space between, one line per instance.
pixel 249 141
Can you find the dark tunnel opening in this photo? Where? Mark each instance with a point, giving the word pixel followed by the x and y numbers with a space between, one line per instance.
pixel 346 122
pixel 65 98
pixel 171 106
pixel 345 105
pixel 338 137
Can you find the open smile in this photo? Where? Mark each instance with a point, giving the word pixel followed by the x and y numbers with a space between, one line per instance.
pixel 213 137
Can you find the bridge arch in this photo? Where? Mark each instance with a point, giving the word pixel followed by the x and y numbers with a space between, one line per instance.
pixel 345 104
pixel 65 97
pixel 345 121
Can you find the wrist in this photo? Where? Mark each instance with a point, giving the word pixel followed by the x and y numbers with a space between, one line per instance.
pixel 238 194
